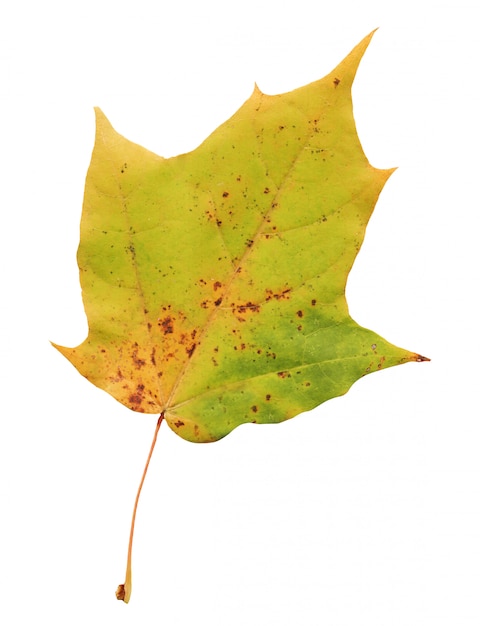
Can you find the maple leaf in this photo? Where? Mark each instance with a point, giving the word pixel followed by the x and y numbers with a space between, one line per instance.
pixel 214 281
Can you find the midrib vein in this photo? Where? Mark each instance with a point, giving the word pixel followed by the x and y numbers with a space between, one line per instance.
pixel 248 250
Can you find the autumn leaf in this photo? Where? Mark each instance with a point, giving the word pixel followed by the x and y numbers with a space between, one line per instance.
pixel 214 281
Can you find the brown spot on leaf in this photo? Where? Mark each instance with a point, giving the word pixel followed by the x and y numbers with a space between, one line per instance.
pixel 248 307
pixel 279 295
pixel 314 302
pixel 217 285
pixel 254 408
pixel 284 374
pixel 137 397
pixel 225 194
pixel 117 378
pixel 166 324
pixel 179 423
pixel 136 360
pixel 152 357
pixel 191 350
pixel 336 82
pixel 218 302
pixel 268 397
pixel 299 313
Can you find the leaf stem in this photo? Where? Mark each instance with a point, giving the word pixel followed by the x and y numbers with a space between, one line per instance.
pixel 124 591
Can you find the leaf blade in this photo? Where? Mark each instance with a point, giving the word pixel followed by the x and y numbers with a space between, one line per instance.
pixel 214 282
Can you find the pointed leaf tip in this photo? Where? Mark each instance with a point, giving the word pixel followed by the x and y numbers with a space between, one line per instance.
pixel 347 68
pixel 256 90
pixel 102 123
pixel 99 114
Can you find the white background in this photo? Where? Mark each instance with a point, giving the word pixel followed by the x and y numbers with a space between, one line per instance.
pixel 364 511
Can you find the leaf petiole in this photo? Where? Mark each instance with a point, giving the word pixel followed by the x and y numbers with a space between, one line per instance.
pixel 124 591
